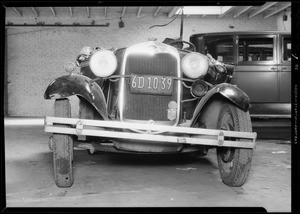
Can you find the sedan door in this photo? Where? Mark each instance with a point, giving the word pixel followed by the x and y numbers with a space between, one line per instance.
pixel 256 72
pixel 284 68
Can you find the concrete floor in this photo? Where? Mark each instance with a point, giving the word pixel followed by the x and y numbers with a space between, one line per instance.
pixel 122 180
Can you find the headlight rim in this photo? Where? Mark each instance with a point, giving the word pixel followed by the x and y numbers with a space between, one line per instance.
pixel 101 73
pixel 202 74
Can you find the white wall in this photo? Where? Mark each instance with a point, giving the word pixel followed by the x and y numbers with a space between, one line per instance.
pixel 36 55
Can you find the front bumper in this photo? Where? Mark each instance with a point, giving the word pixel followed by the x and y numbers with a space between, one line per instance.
pixel 179 135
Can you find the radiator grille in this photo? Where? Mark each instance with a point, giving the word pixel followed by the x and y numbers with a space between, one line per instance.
pixel 144 106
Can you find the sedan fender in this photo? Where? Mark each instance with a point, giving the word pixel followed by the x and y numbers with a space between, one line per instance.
pixel 75 84
pixel 228 91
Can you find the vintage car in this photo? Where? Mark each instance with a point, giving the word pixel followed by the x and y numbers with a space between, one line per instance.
pixel 263 67
pixel 151 97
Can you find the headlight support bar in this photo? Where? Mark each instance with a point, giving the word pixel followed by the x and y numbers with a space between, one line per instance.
pixel 129 75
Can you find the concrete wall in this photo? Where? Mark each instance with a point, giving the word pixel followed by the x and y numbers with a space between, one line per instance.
pixel 36 55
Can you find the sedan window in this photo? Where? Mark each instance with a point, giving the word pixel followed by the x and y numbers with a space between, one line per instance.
pixel 287 45
pixel 256 49
pixel 220 48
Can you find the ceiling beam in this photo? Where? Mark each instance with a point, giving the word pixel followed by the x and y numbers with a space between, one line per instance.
pixel 53 11
pixel 123 12
pixel 241 11
pixel 88 11
pixel 173 11
pixel 156 12
pixel 261 9
pixel 279 9
pixel 71 11
pixel 17 12
pixel 139 12
pixel 105 11
pixel 35 12
pixel 228 11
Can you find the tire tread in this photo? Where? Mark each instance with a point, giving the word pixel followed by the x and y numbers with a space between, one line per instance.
pixel 63 148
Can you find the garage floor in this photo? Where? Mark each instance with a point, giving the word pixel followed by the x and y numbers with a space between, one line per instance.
pixel 122 180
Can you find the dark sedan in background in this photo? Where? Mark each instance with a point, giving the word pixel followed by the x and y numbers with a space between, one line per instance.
pixel 263 67
pixel 263 71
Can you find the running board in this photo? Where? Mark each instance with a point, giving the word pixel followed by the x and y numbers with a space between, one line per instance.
pixel 121 130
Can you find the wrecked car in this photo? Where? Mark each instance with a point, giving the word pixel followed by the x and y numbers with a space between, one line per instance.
pixel 151 97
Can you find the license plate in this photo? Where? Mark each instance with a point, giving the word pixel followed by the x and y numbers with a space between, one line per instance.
pixel 151 85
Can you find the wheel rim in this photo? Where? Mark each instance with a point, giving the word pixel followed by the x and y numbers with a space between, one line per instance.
pixel 227 154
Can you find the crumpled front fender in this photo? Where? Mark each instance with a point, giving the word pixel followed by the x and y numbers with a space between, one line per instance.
pixel 75 84
pixel 230 92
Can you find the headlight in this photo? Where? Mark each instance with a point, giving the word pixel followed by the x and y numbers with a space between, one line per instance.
pixel 103 63
pixel 194 65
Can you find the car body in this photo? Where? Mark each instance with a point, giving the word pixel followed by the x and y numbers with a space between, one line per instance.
pixel 263 67
pixel 150 98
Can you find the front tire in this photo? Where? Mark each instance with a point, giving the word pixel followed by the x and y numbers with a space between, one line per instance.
pixel 234 163
pixel 63 148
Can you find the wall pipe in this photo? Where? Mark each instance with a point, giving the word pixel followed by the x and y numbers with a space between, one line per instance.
pixel 47 25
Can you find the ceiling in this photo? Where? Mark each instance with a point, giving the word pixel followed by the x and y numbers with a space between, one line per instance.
pixel 266 10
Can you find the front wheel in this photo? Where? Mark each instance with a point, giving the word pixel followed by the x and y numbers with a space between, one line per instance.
pixel 234 164
pixel 63 148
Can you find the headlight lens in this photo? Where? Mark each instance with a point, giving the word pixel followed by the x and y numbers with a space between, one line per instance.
pixel 103 63
pixel 194 65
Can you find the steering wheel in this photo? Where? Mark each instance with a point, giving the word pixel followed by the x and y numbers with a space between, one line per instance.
pixel 191 47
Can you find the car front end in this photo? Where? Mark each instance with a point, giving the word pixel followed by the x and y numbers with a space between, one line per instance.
pixel 150 97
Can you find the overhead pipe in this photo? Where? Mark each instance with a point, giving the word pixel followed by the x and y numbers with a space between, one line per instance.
pixel 54 25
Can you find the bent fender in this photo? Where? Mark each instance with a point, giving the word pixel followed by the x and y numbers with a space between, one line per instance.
pixel 231 92
pixel 75 84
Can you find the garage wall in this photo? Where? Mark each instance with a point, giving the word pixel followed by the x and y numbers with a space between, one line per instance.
pixel 284 25
pixel 36 55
